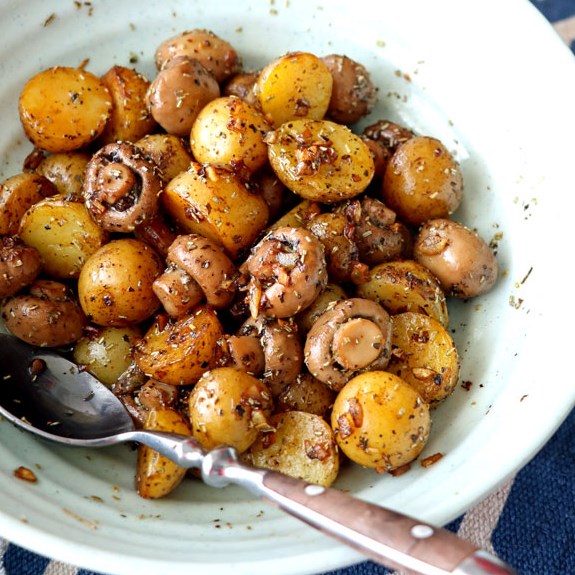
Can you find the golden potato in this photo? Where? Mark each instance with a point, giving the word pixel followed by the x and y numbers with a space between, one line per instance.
pixel 230 131
pixel 156 475
pixel 302 445
pixel 130 119
pixel 229 407
pixel 63 109
pixel 422 181
pixel 106 353
pixel 320 160
pixel 64 234
pixel 406 285
pixel 17 194
pixel 66 171
pixel 115 284
pixel 295 85
pixel 324 301
pixel 180 352
pixel 380 421
pixel 424 356
pixel 216 203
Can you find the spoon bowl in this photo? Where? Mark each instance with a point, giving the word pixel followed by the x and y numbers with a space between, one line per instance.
pixel 51 397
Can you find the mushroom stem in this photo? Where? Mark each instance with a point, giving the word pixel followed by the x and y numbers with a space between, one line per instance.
pixel 357 343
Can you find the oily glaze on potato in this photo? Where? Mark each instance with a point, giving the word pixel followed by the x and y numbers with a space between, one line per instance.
pixel 295 85
pixel 229 407
pixel 64 234
pixel 320 160
pixel 301 445
pixel 156 475
pixel 179 352
pixel 380 421
pixel 424 356
pixel 405 286
pixel 216 203
pixel 66 171
pixel 115 284
pixel 63 109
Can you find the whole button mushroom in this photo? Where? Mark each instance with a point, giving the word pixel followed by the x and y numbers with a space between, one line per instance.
pixel 121 187
pixel 288 271
pixel 198 269
pixel 461 260
pixel 47 315
pixel 353 336
pixel 178 93
pixel 19 265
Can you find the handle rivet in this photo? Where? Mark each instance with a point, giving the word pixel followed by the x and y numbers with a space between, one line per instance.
pixel 421 531
pixel 314 489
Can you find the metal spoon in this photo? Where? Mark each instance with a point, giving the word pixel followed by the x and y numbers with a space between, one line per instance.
pixel 49 396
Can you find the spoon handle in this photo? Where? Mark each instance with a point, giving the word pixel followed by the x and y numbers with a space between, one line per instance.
pixel 387 537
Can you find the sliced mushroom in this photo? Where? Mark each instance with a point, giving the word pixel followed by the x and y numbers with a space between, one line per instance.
pixel 48 315
pixel 121 187
pixel 281 348
pixel 19 265
pixel 198 269
pixel 354 336
pixel 288 271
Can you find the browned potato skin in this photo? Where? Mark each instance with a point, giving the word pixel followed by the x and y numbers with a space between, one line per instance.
pixel 216 55
pixel 180 352
pixel 380 421
pixel 20 265
pixel 115 284
pixel 64 109
pixel 302 445
pixel 66 171
pixel 169 153
pixel 230 131
pixel 17 194
pixel 130 119
pixel 353 94
pixel 424 356
pixel 156 475
pixel 178 93
pixel 295 85
pixel 405 285
pixel 47 315
pixel 64 234
pixel 228 406
pixel 216 203
pixel 422 181
pixel 461 260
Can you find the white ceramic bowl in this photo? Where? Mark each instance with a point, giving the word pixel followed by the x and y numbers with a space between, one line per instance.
pixel 492 81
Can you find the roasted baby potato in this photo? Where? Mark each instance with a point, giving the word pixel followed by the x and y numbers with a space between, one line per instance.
pixel 380 421
pixel 294 86
pixel 17 194
pixel 63 109
pixel 229 407
pixel 406 286
pixel 180 352
pixel 301 445
pixel 320 160
pixel 229 131
pixel 156 475
pixel 422 181
pixel 424 356
pixel 107 352
pixel 168 152
pixel 307 394
pixel 66 171
pixel 64 234
pixel 130 119
pixel 115 284
pixel 216 203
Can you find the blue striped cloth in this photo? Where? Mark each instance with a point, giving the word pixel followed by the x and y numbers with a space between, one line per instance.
pixel 529 522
